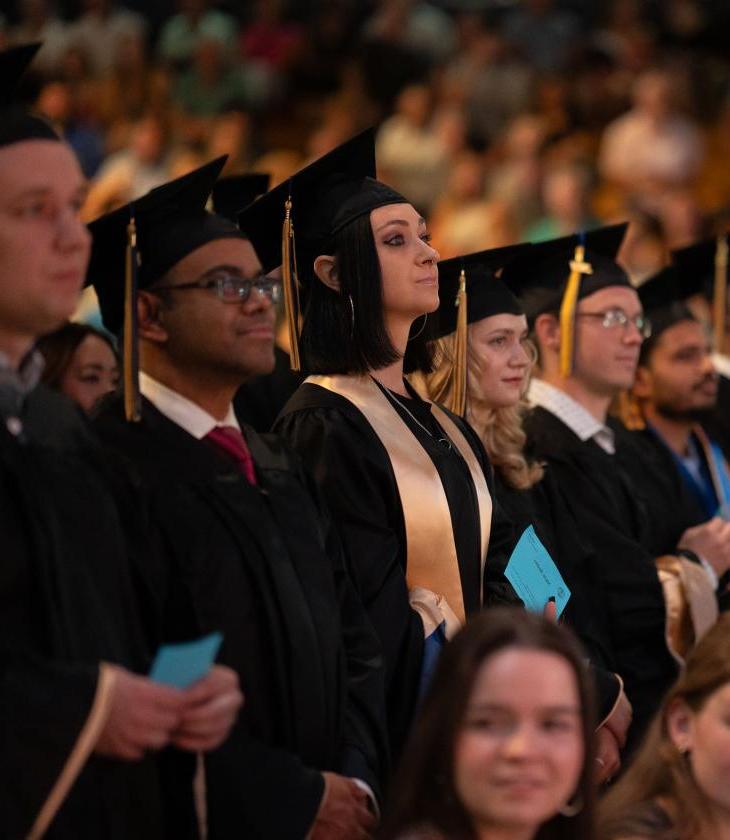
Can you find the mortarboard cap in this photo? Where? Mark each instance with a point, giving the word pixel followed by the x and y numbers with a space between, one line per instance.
pixel 469 291
pixel 663 299
pixel 16 123
pixel 554 275
pixel 486 293
pixel 136 245
pixel 232 194
pixel 703 270
pixel 316 202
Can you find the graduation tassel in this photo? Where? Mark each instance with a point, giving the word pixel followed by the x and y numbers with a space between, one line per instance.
pixel 291 285
pixel 457 403
pixel 629 411
pixel 719 297
pixel 132 399
pixel 578 267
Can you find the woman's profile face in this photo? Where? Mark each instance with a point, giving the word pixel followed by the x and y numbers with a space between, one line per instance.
pixel 519 753
pixel 407 262
pixel 705 737
pixel 92 373
pixel 499 343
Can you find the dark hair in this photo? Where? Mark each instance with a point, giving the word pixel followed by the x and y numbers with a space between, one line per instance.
pixel 660 775
pixel 425 793
pixel 59 347
pixel 661 320
pixel 333 339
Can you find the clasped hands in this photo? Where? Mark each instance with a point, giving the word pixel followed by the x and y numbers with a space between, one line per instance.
pixel 146 716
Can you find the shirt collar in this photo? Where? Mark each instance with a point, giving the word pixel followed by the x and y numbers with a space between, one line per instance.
pixel 722 364
pixel 577 418
pixel 17 383
pixel 182 411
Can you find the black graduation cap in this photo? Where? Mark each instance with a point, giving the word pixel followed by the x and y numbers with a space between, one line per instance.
pixel 486 293
pixel 233 194
pixel 316 202
pixel 554 275
pixel 663 299
pixel 468 292
pixel 16 123
pixel 136 245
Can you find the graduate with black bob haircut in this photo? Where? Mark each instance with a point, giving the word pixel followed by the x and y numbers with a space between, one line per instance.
pixel 250 548
pixel 408 482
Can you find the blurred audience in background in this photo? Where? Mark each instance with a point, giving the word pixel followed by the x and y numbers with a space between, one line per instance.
pixel 501 120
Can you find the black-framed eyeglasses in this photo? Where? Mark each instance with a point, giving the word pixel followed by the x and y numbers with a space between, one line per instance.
pixel 231 288
pixel 612 318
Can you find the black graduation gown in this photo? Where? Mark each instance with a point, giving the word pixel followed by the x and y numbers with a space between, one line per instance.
pixel 259 402
pixel 544 507
pixel 615 524
pixel 67 605
pixel 263 566
pixel 718 425
pixel 353 469
pixel 658 488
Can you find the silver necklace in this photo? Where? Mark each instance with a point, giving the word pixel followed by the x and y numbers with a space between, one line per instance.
pixel 443 442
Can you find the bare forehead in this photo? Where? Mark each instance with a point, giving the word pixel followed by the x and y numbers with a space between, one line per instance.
pixel 38 165
pixel 503 321
pixel 395 213
pixel 621 297
pixel 526 678
pixel 683 333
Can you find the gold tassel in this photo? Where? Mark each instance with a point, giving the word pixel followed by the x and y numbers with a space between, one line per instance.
pixel 578 267
pixel 457 402
pixel 132 398
pixel 291 285
pixel 629 412
pixel 719 297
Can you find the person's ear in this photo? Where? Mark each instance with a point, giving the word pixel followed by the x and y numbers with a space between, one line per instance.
pixel 680 725
pixel 150 318
pixel 547 332
pixel 643 384
pixel 325 267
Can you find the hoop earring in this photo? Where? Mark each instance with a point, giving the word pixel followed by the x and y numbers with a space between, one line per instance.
pixel 423 327
pixel 352 316
pixel 573 807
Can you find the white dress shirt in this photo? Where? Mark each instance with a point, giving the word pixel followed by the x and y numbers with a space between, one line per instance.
pixel 182 411
pixel 577 418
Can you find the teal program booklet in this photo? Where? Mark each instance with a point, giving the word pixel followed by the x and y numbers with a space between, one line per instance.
pixel 534 576
pixel 180 665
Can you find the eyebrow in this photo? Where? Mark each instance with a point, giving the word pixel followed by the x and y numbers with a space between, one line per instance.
pixel 232 269
pixel 508 330
pixel 98 366
pixel 401 222
pixel 494 707
pixel 81 189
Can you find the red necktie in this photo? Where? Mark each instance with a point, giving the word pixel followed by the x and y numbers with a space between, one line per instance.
pixel 233 443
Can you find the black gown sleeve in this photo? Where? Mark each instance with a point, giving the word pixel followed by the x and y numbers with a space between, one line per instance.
pixel 503 535
pixel 351 468
pixel 365 751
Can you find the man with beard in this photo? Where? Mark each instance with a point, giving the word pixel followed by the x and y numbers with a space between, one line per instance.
pixel 589 326
pixel 676 389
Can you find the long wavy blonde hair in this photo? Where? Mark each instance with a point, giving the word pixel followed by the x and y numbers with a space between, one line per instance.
pixel 500 429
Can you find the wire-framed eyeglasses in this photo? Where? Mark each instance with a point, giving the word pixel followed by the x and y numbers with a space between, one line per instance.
pixel 612 318
pixel 232 288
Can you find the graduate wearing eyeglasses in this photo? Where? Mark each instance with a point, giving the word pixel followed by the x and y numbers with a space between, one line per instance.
pixel 248 546
pixel 589 325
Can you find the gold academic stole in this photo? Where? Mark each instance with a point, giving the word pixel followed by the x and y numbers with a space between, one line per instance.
pixel 431 560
